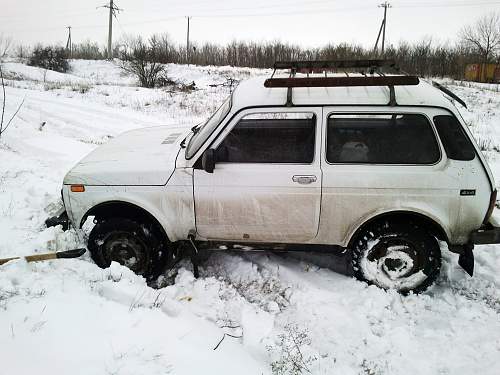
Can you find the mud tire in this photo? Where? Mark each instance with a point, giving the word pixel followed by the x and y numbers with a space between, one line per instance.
pixel 138 246
pixel 415 247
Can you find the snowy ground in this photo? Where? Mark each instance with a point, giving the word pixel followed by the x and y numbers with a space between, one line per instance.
pixel 70 316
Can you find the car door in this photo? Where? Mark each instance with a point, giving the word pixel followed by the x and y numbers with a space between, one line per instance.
pixel 384 160
pixel 266 185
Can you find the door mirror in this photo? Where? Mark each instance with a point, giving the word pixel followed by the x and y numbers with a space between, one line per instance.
pixel 208 160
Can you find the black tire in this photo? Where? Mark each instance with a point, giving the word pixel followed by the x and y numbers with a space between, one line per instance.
pixel 400 256
pixel 138 246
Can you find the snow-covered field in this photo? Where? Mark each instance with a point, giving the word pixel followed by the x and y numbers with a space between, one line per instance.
pixel 70 317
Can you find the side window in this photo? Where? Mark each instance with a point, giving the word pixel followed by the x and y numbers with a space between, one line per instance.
pixel 456 143
pixel 381 139
pixel 270 138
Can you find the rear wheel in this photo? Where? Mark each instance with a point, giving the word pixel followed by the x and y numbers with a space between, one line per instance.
pixel 400 256
pixel 138 246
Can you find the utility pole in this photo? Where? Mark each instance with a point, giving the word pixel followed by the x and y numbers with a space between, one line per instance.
pixel 69 43
pixel 382 30
pixel 385 6
pixel 187 42
pixel 110 30
pixel 113 11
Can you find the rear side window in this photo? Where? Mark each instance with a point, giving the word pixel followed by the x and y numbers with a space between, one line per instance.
pixel 381 139
pixel 270 138
pixel 456 143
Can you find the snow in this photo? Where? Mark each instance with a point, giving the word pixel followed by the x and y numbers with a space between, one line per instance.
pixel 69 316
pixel 378 271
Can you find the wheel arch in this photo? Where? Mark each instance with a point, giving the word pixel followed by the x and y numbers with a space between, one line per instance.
pixel 430 223
pixel 118 208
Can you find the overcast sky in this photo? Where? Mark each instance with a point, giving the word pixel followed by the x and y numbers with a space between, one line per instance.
pixel 308 23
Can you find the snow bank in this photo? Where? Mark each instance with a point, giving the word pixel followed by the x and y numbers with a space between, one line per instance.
pixel 69 316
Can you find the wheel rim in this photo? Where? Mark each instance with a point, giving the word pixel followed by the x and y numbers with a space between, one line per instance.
pixel 395 263
pixel 126 249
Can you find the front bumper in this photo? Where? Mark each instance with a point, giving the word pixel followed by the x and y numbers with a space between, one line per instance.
pixel 61 218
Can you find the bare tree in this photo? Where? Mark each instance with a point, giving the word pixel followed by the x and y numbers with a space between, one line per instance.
pixel 3 127
pixel 5 45
pixel 22 51
pixel 483 36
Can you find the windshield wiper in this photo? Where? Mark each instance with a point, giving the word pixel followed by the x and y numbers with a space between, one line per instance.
pixel 195 129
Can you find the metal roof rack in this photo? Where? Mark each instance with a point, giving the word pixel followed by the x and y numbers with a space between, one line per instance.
pixel 373 73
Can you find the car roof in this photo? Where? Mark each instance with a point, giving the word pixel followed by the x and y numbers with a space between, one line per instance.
pixel 252 93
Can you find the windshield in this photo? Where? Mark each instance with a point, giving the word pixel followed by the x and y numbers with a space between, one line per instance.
pixel 202 134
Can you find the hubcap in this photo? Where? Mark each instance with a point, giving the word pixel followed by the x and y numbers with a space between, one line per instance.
pixel 126 249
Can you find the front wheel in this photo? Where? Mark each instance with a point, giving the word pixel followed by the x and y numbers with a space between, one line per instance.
pixel 400 256
pixel 135 245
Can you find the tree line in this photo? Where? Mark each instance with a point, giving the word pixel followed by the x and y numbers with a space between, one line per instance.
pixel 478 42
pixel 426 57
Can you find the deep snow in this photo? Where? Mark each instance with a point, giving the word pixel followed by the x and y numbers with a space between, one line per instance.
pixel 69 316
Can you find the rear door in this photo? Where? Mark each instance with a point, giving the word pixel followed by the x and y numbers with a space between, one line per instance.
pixel 266 186
pixel 384 160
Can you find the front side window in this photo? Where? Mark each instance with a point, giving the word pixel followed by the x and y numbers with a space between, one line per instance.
pixel 277 137
pixel 381 139
pixel 204 132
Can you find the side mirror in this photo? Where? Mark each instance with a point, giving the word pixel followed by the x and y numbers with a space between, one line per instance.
pixel 208 160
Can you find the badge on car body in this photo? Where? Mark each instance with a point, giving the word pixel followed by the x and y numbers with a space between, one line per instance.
pixel 467 193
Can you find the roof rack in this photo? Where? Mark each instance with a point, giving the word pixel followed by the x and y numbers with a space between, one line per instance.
pixel 373 73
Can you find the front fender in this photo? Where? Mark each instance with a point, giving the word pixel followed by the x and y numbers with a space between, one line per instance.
pixel 152 199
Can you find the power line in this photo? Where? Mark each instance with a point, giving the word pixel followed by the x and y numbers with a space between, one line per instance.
pixel 450 4
pixel 224 13
pixel 264 6
pixel 272 14
pixel 37 14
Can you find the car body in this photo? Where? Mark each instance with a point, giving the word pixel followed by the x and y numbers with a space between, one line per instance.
pixel 295 184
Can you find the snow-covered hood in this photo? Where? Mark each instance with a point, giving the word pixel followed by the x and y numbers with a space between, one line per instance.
pixel 138 157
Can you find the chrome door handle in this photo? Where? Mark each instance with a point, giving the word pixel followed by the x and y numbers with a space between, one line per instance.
pixel 304 180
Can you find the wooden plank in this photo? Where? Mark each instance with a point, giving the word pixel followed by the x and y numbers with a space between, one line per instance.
pixel 341 81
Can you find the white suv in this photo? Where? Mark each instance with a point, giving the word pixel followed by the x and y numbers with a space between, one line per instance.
pixel 381 165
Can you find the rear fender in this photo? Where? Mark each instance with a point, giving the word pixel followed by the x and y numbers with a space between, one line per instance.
pixel 428 220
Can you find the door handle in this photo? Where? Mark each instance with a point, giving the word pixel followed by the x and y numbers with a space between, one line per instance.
pixel 304 180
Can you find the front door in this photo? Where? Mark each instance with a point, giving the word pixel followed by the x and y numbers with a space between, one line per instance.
pixel 266 185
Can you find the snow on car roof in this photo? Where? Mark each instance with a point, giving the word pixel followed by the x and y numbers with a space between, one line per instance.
pixel 251 93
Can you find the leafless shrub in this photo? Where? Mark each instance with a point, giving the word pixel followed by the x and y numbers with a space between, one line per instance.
pixel 81 88
pixel 49 86
pixel 5 126
pixel 52 58
pixel 22 51
pixel 5 45
pixel 289 350
pixel 88 50
pixel 141 59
